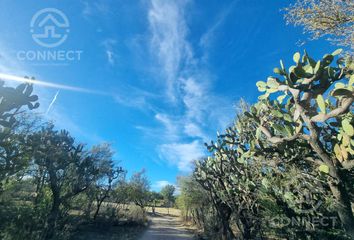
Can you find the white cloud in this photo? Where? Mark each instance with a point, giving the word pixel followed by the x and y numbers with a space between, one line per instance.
pixel 208 36
pixel 109 45
pixel 171 128
pixel 168 43
pixel 187 83
pixel 130 96
pixel 196 99
pixel 52 102
pixel 193 130
pixel 110 57
pixel 86 10
pixel 182 154
pixel 91 8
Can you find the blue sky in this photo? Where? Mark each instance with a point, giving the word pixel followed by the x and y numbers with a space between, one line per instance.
pixel 162 75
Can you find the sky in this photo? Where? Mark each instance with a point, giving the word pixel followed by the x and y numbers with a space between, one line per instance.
pixel 155 78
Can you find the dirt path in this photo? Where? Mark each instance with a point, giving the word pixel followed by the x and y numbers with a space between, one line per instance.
pixel 166 228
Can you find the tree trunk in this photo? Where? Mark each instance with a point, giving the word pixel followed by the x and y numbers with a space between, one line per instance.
pixel 88 209
pixel 246 228
pixel 344 209
pixel 52 218
pixel 337 188
pixel 54 212
pixel 224 215
pixel 98 207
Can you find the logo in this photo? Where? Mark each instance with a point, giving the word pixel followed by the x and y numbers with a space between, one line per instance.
pixel 49 27
pixel 305 199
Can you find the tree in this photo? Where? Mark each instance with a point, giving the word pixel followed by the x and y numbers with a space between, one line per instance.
pixel 250 182
pixel 106 174
pixel 119 195
pixel 230 180
pixel 314 105
pixel 195 203
pixel 287 186
pixel 154 198
pixel 167 193
pixel 138 189
pixel 331 18
pixel 69 170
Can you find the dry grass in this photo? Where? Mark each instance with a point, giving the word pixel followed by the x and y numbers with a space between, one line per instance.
pixel 129 223
pixel 165 211
pixel 126 229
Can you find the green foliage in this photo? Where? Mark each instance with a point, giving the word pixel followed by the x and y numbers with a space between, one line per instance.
pixel 196 206
pixel 289 155
pixel 50 184
pixel 12 100
pixel 318 102
pixel 13 155
pixel 138 189
pixel 167 194
pixel 106 176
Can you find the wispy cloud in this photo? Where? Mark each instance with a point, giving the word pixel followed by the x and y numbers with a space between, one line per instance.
pixel 193 130
pixel 182 154
pixel 52 102
pixel 110 57
pixel 86 9
pixel 208 36
pixel 134 97
pixel 109 46
pixel 188 84
pixel 171 130
pixel 90 8
pixel 168 44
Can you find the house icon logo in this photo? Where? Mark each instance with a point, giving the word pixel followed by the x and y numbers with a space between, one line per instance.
pixel 49 27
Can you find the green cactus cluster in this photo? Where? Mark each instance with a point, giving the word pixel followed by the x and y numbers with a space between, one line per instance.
pixel 295 143
pixel 13 99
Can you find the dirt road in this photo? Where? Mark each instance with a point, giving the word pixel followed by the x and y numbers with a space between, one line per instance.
pixel 166 228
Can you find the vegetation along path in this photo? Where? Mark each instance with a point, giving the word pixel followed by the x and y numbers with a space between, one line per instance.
pixel 164 227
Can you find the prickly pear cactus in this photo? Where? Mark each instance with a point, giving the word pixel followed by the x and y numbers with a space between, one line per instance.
pixel 311 101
